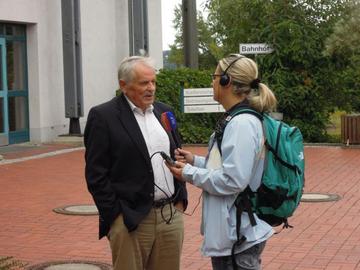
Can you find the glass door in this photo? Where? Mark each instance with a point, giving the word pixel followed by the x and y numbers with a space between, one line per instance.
pixel 14 107
pixel 4 126
pixel 18 118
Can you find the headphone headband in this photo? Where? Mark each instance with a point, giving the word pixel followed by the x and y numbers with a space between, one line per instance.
pixel 231 63
pixel 225 78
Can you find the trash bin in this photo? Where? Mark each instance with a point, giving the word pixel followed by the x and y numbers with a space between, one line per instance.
pixel 350 129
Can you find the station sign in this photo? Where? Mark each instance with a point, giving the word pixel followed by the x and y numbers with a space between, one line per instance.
pixel 255 48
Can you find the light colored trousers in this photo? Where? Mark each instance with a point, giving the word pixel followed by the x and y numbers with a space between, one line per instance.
pixel 154 245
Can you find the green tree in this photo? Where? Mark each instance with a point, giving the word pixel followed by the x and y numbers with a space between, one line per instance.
pixel 306 81
pixel 176 50
pixel 344 47
pixel 297 71
pixel 208 49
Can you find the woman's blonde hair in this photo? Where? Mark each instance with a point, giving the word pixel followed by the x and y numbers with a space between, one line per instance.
pixel 244 78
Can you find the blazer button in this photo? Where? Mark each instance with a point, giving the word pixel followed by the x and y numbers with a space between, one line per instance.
pixel 151 195
pixel 150 171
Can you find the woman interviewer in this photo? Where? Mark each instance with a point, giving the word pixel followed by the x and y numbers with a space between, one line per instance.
pixel 232 166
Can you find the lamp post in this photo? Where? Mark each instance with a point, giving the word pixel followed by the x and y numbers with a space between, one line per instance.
pixel 190 34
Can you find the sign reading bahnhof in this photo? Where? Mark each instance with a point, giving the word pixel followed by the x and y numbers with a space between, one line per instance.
pixel 200 100
pixel 255 48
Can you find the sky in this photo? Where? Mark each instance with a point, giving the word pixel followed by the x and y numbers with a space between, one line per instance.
pixel 167 12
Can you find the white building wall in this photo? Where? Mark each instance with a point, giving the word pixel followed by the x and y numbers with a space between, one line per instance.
pixel 155 32
pixel 99 52
pixel 105 41
pixel 51 80
pixel 45 68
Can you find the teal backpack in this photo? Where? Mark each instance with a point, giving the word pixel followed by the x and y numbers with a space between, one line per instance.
pixel 283 178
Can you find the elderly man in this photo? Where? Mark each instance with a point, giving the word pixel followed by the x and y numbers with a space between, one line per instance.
pixel 135 193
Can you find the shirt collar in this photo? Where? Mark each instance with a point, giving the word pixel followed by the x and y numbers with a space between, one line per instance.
pixel 134 108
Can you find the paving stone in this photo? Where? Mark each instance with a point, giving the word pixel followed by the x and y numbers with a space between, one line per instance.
pixel 324 234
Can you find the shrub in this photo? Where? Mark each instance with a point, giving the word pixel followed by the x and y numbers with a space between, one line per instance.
pixel 193 127
pixel 312 116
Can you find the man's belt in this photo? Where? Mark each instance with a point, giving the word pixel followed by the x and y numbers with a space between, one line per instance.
pixel 162 202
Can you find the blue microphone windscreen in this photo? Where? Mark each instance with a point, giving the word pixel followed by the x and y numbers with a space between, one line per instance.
pixel 170 116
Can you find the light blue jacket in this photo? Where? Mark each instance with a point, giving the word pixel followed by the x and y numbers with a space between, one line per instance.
pixel 222 177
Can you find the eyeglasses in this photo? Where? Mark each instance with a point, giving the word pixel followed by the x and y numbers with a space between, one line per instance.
pixel 213 76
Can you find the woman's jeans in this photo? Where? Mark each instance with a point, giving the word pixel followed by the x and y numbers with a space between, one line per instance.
pixel 249 259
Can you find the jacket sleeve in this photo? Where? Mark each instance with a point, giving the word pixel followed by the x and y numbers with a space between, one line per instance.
pixel 241 146
pixel 98 164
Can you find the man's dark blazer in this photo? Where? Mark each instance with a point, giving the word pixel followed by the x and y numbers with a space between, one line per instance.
pixel 118 169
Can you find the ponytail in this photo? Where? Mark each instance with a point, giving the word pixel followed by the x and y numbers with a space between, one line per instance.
pixel 262 99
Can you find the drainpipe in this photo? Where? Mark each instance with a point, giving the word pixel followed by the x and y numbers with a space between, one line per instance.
pixel 74 104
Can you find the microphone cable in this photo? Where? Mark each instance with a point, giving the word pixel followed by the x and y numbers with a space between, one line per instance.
pixel 168 198
pixel 171 200
pixel 192 212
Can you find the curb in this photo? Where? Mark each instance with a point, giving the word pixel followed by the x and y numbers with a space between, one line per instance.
pixel 49 154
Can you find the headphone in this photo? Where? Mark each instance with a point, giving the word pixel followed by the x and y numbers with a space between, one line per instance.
pixel 225 78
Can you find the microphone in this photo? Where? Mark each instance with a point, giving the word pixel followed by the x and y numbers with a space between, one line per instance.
pixel 169 123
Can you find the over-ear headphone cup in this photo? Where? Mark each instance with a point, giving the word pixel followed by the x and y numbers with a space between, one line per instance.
pixel 224 80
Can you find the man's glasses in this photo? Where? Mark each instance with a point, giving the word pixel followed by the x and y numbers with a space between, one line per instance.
pixel 213 76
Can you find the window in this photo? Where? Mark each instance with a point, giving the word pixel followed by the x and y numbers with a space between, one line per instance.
pixel 15 65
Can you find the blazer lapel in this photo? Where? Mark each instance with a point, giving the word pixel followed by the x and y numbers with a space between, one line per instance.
pixel 131 126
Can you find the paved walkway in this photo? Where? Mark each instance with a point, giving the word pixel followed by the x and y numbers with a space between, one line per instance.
pixel 326 235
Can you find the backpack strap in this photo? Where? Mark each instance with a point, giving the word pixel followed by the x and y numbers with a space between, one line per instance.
pixel 268 146
pixel 222 123
pixel 242 203
pixel 244 197
pixel 249 111
pixel 240 207
pixel 274 151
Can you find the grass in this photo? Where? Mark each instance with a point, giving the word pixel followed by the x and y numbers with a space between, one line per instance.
pixel 334 127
